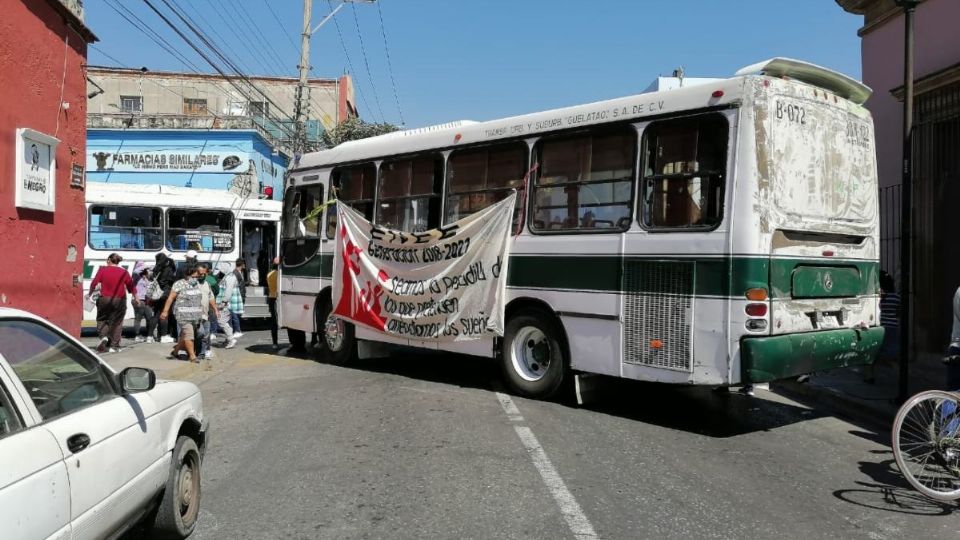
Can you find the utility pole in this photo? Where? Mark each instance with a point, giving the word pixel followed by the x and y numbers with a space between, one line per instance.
pixel 303 88
pixel 906 204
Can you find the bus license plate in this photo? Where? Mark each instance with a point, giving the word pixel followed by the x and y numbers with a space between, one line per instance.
pixel 827 321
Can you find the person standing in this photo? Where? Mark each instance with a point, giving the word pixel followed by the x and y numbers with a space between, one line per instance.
pixel 114 283
pixel 187 297
pixel 164 271
pixel 272 301
pixel 953 351
pixel 214 285
pixel 236 307
pixel 229 295
pixel 890 321
pixel 143 311
pixel 209 313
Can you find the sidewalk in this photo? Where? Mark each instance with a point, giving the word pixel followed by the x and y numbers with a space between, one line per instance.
pixel 845 392
pixel 154 356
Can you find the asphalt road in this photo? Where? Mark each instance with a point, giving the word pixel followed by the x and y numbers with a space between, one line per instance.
pixel 422 446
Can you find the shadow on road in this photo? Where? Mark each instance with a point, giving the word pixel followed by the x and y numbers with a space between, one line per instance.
pixel 693 409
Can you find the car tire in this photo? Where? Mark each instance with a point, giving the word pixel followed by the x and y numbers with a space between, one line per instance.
pixel 533 356
pixel 180 506
pixel 345 349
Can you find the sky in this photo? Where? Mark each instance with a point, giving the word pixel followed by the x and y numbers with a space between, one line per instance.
pixel 486 59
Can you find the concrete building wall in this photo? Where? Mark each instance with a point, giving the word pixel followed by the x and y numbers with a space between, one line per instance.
pixel 43 251
pixel 937 46
pixel 163 93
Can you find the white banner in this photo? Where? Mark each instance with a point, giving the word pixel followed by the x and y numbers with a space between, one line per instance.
pixel 447 284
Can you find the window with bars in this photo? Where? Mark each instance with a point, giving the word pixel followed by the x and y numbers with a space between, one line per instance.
pixel 258 108
pixel 131 104
pixel 684 172
pixel 479 177
pixel 409 193
pixel 194 106
pixel 354 187
pixel 585 182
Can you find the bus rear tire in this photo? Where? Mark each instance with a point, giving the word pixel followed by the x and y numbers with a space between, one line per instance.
pixel 532 355
pixel 340 346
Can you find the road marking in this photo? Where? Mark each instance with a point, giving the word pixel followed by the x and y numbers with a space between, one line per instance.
pixel 572 513
pixel 509 407
pixel 576 519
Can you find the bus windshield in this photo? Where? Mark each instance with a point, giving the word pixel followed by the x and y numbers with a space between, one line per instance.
pixel 300 218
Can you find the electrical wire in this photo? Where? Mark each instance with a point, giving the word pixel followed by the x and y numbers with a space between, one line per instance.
pixel 216 51
pixel 282 27
pixel 366 62
pixel 386 49
pixel 63 81
pixel 267 48
pixel 343 44
pixel 154 36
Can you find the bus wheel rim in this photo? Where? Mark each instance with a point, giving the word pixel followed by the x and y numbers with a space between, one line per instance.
pixel 333 333
pixel 530 354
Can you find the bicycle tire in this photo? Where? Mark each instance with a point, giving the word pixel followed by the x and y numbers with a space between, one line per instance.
pixel 918 445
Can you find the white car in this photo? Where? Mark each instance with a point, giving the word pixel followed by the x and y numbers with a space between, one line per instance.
pixel 86 452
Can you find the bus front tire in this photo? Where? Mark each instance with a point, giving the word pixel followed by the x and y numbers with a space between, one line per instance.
pixel 532 355
pixel 340 348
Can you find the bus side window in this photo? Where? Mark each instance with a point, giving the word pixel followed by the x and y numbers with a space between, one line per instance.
pixel 684 169
pixel 408 196
pixel 479 177
pixel 585 182
pixel 130 228
pixel 354 187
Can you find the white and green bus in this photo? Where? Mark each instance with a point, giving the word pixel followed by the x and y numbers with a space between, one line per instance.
pixel 138 221
pixel 717 233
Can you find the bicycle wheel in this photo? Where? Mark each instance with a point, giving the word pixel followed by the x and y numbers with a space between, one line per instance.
pixel 926 443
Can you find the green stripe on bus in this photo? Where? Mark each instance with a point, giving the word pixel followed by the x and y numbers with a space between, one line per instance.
pixel 87 270
pixel 714 276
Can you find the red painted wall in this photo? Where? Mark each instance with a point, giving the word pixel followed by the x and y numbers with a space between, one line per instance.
pixel 36 273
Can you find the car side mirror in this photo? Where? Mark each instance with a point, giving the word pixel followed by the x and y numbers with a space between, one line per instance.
pixel 137 379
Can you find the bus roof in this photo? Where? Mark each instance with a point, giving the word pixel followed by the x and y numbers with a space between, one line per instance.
pixel 175 196
pixel 708 94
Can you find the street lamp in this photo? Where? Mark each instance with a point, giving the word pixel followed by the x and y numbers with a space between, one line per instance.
pixel 906 202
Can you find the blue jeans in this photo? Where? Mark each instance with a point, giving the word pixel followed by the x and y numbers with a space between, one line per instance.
pixel 235 321
pixel 203 337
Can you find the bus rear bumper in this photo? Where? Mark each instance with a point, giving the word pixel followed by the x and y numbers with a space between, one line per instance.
pixel 764 359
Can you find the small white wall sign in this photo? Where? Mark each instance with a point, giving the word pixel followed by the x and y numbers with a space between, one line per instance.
pixel 36 170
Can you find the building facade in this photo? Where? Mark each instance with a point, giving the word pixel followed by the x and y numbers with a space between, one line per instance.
pixel 241 159
pixel 42 157
pixel 936 150
pixel 172 100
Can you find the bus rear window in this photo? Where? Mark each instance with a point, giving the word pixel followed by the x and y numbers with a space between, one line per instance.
pixel 129 228
pixel 201 230
pixel 684 169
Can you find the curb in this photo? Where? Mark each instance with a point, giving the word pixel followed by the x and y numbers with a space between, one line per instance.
pixel 876 413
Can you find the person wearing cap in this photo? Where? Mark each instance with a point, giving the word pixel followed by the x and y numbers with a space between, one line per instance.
pixel 272 300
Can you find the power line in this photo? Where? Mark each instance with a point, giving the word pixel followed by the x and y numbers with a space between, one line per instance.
pixel 207 58
pixel 282 27
pixel 386 49
pixel 363 51
pixel 154 36
pixel 343 44
pixel 268 48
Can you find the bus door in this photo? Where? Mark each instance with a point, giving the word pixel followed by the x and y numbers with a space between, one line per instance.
pixel 258 247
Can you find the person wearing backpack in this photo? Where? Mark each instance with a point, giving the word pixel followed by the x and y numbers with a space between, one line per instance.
pixel 187 297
